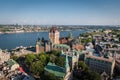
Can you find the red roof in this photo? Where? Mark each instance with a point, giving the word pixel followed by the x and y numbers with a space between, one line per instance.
pixel 21 69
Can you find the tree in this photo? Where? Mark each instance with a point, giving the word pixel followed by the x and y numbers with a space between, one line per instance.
pixel 50 76
pixel 59 61
pixel 82 65
pixel 55 52
pixel 52 58
pixel 29 58
pixel 36 68
pixel 42 57
pixel 14 57
pixel 93 76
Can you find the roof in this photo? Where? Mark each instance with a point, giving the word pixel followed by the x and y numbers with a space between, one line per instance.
pixel 11 62
pixel 21 69
pixel 90 50
pixel 71 53
pixel 56 70
pixel 61 46
pixel 53 29
pixel 101 58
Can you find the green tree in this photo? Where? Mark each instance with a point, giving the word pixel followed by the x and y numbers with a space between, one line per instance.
pixel 82 65
pixel 14 57
pixel 59 61
pixel 55 52
pixel 50 76
pixel 93 76
pixel 42 57
pixel 37 68
pixel 29 58
pixel 52 58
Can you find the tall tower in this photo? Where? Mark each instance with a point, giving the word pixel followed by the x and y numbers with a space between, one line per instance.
pixel 54 35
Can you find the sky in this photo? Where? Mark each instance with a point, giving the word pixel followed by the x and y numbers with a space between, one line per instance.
pixel 60 12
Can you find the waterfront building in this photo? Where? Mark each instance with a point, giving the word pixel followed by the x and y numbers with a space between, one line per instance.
pixel 56 43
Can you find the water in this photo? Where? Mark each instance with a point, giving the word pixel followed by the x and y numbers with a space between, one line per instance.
pixel 11 41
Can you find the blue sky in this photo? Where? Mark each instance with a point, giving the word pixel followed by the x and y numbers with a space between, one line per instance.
pixel 60 12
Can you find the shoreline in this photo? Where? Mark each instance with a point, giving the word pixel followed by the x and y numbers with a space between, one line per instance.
pixel 34 31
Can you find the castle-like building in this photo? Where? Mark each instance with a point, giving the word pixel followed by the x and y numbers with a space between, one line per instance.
pixel 54 35
pixel 57 43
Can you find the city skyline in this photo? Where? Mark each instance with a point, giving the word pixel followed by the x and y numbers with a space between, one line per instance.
pixel 60 12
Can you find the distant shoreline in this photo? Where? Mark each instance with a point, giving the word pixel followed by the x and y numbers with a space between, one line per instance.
pixel 32 31
pixel 19 32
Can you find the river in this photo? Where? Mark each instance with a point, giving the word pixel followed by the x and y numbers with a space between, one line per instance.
pixel 11 41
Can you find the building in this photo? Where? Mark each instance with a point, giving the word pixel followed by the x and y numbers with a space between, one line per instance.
pixel 4 56
pixel 56 43
pixel 73 57
pixel 113 52
pixel 11 65
pixel 60 47
pixel 60 72
pixel 101 64
pixel 54 35
pixel 10 70
pixel 43 45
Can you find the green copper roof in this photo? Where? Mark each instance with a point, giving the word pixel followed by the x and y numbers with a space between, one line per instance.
pixel 11 62
pixel 66 64
pixel 61 46
pixel 56 70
